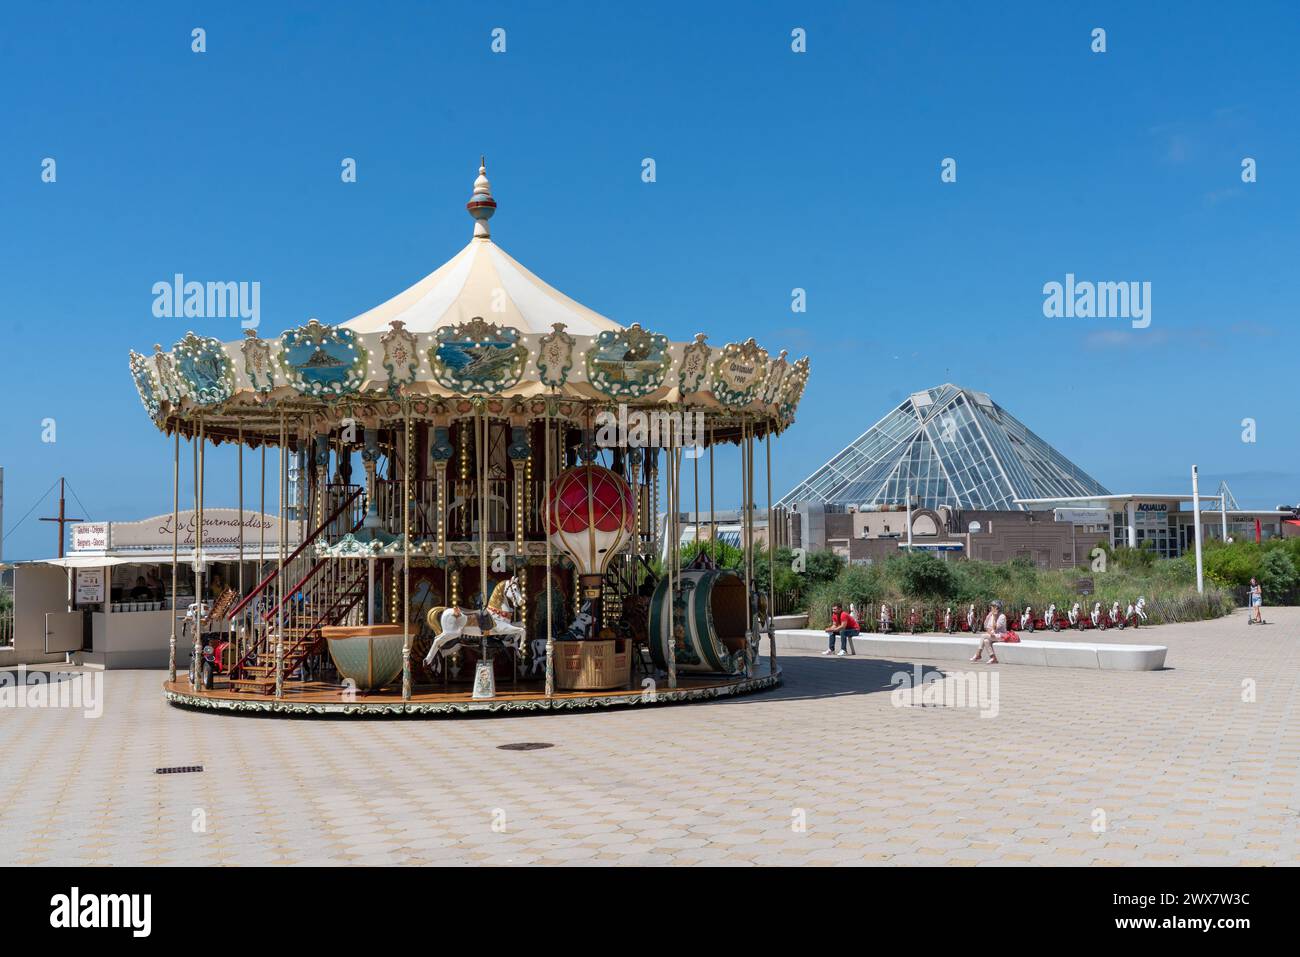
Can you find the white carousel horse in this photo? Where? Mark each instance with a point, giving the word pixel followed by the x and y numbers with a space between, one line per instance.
pixel 507 598
pixel 947 619
pixel 1074 614
pixel 970 618
pixel 1141 608
pixel 447 628
pixel 1026 617
pixel 1115 618
pixel 1050 617
pixel 1096 615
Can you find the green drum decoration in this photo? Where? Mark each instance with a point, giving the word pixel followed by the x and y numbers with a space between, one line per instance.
pixel 371 656
pixel 709 622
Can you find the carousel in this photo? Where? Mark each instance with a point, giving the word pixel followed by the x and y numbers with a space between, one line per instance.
pixel 479 484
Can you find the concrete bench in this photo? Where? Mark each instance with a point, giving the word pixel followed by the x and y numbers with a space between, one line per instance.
pixel 1029 651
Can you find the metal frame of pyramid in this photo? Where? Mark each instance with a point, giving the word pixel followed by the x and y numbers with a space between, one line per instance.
pixel 948 446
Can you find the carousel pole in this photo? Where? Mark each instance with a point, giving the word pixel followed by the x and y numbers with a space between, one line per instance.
pixel 261 514
pixel 695 496
pixel 194 569
pixel 713 526
pixel 671 562
pixel 546 499
pixel 283 529
pixel 261 542
pixel 197 651
pixel 480 470
pixel 406 550
pixel 176 510
pixel 748 481
pixel 232 646
pixel 771 559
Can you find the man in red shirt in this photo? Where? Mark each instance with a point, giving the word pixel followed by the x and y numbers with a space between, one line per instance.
pixel 842 624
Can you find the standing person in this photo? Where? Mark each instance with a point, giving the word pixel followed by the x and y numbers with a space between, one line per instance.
pixel 995 629
pixel 1257 601
pixel 842 624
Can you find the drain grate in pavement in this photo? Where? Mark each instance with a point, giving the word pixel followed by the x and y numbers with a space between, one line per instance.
pixel 179 769
pixel 524 746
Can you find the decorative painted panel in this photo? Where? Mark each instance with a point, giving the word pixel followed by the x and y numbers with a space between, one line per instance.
pixel 321 360
pixel 629 363
pixel 477 357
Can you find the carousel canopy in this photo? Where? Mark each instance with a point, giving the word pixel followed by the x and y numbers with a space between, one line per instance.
pixel 482 280
pixel 479 327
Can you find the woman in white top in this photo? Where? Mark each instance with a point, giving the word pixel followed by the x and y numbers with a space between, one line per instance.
pixel 995 628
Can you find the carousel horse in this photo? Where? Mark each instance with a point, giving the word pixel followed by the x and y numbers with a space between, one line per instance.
pixel 443 641
pixel 507 598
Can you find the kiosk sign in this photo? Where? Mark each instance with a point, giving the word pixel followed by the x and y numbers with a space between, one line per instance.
pixel 90 586
pixel 90 537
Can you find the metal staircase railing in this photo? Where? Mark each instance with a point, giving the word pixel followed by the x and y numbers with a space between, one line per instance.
pixel 253 617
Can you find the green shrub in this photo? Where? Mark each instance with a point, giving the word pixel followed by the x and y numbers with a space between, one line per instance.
pixel 922 575
pixel 1277 576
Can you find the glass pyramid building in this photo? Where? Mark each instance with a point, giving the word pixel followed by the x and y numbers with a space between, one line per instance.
pixel 950 446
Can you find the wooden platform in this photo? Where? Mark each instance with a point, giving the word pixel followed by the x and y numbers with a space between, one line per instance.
pixel 321 698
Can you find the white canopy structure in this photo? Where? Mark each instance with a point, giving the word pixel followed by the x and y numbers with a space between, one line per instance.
pixel 480 325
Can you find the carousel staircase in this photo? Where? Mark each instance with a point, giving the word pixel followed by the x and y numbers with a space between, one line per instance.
pixel 312 607
pixel 301 597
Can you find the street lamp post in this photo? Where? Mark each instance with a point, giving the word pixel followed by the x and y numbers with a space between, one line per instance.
pixel 1196 517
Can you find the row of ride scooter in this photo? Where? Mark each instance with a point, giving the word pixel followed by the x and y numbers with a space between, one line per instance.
pixel 1053 619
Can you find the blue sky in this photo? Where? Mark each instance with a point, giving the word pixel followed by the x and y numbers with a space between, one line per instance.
pixel 775 170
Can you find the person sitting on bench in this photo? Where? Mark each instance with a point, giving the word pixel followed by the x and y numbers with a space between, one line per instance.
pixel 995 629
pixel 842 624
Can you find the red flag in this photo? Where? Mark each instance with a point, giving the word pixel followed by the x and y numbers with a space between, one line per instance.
pixel 1258 532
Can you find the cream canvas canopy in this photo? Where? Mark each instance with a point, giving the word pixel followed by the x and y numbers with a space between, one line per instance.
pixel 482 280
pixel 480 327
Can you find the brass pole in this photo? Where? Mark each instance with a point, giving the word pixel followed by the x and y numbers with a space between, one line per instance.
pixel 670 535
pixel 232 646
pixel 713 526
pixel 406 550
pixel 771 559
pixel 176 521
pixel 283 528
pixel 197 652
pixel 546 529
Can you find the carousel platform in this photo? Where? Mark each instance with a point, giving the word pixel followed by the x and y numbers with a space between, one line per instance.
pixel 322 698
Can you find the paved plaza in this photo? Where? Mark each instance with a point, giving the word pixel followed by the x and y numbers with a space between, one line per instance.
pixel 1077 767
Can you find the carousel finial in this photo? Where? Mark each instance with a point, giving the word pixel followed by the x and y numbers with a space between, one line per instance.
pixel 481 205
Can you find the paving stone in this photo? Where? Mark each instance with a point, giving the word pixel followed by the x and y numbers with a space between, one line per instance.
pixel 822 771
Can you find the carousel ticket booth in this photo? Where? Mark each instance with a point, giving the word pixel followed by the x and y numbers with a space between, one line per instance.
pixel 112 601
pixel 481 461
